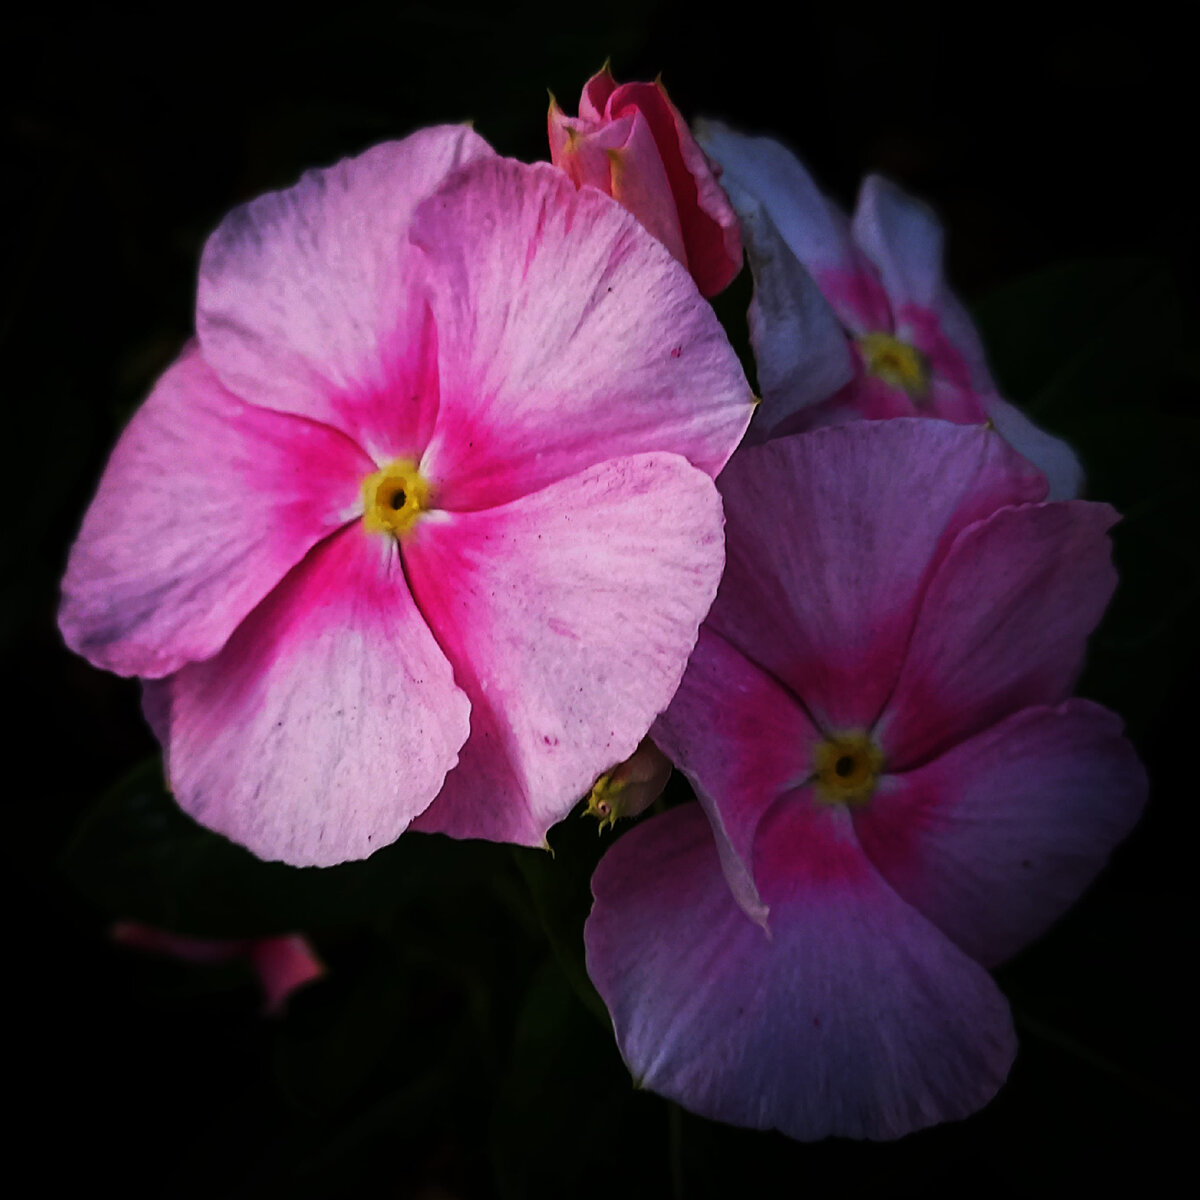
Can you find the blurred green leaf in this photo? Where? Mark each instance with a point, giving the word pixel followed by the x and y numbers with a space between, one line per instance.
pixel 567 1120
pixel 560 885
pixel 136 855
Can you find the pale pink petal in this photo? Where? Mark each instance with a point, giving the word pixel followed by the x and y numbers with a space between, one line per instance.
pixel 854 1018
pixel 329 720
pixel 903 239
pixel 568 335
pixel 284 964
pixel 205 505
pixel 1003 625
pixel 993 840
pixel 831 538
pixel 569 616
pixel 310 301
pixel 742 740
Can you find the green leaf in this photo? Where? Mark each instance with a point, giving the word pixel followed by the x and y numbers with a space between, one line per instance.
pixel 136 855
pixel 567 1120
pixel 560 885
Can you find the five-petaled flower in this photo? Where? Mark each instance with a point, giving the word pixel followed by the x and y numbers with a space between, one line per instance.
pixel 877 721
pixel 630 141
pixel 422 527
pixel 855 318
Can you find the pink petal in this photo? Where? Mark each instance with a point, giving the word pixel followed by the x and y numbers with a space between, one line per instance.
pixel 204 506
pixel 743 741
pixel 569 616
pixel 284 964
pixel 706 218
pixel 639 183
pixel 832 536
pixel 310 301
pixel 582 150
pixel 329 720
pixel 996 838
pixel 593 103
pixel 903 239
pixel 1003 625
pixel 568 335
pixel 854 1018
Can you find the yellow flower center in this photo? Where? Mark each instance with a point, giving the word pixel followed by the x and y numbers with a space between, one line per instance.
pixel 847 767
pixel 895 362
pixel 394 497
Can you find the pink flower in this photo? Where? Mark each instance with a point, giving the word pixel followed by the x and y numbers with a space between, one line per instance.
pixel 282 964
pixel 855 318
pixel 422 527
pixel 877 720
pixel 631 143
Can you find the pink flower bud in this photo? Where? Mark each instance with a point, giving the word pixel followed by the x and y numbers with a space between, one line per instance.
pixel 631 143
pixel 281 964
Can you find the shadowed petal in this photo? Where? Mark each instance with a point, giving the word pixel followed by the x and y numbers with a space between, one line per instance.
pixel 800 349
pixel 854 1018
pixel 1054 457
pixel 831 538
pixel 903 238
pixel 994 839
pixel 742 740
pixel 203 508
pixel 329 720
pixel 1003 625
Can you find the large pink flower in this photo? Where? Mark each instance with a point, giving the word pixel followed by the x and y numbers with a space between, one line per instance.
pixel 631 142
pixel 901 792
pixel 422 527
pixel 855 318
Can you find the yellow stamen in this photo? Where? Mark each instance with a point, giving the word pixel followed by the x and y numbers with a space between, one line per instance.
pixel 847 767
pixel 895 362
pixel 394 497
pixel 601 801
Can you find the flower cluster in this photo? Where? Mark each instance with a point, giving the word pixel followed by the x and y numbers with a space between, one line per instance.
pixel 431 527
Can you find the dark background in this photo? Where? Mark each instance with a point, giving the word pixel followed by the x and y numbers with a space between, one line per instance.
pixel 454 1049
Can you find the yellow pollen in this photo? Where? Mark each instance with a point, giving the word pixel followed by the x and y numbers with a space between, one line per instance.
pixel 895 362
pixel 602 799
pixel 847 767
pixel 394 497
